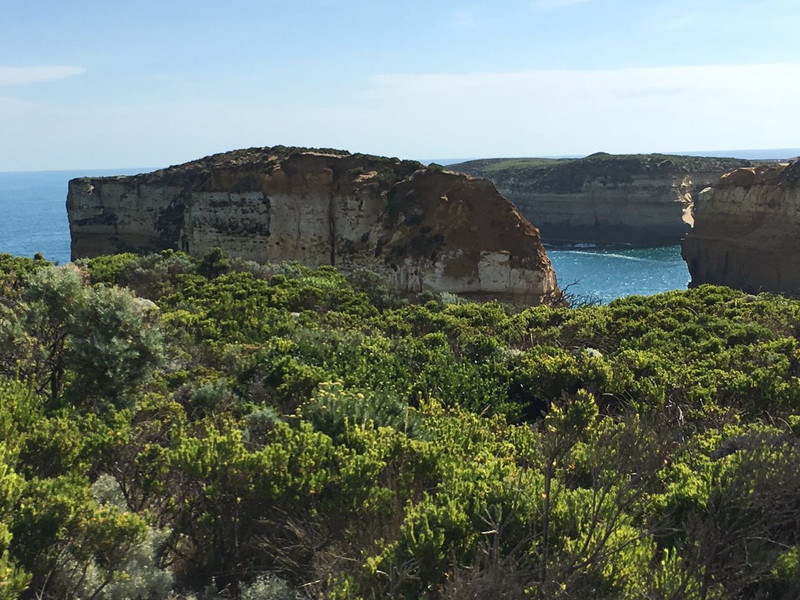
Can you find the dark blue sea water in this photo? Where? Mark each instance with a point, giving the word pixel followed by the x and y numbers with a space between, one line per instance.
pixel 33 218
pixel 33 211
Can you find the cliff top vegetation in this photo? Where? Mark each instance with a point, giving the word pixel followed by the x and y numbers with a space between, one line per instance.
pixel 178 427
pixel 259 160
pixel 568 175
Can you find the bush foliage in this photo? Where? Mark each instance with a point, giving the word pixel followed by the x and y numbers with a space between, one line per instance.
pixel 181 427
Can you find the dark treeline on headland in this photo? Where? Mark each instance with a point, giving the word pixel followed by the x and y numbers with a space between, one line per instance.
pixel 175 427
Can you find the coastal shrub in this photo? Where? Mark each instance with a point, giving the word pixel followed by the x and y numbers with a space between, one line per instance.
pixel 15 270
pixel 148 276
pixel 13 579
pixel 118 347
pixel 375 288
pixel 258 423
pixel 140 576
pixel 62 333
pixel 268 587
pixel 61 532
pixel 214 263
pixel 34 329
pixel 107 269
pixel 332 409
pixel 269 430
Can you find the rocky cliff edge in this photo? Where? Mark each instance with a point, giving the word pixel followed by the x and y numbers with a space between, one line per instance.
pixel 422 228
pixel 746 232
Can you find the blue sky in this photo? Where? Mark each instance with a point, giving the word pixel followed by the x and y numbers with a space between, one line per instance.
pixel 90 84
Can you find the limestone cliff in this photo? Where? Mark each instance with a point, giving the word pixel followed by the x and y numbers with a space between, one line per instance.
pixel 746 232
pixel 422 228
pixel 640 200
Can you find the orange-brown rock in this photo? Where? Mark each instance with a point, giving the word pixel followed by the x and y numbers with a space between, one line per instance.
pixel 422 228
pixel 746 233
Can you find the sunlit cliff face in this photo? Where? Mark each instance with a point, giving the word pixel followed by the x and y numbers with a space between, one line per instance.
pixel 421 228
pixel 746 231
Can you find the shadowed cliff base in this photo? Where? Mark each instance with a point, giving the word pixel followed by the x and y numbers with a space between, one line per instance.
pixel 640 200
pixel 422 228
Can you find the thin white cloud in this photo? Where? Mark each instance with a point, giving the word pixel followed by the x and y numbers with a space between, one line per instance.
pixel 24 75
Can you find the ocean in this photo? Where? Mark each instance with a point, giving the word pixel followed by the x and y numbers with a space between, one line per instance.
pixel 33 218
pixel 599 275
pixel 33 211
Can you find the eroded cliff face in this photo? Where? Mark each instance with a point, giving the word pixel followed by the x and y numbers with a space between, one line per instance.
pixel 746 232
pixel 421 228
pixel 640 200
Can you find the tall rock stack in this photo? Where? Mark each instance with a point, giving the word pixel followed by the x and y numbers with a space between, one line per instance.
pixel 747 231
pixel 422 228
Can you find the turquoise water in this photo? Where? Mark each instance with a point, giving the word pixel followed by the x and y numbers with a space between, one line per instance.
pixel 600 275
pixel 33 218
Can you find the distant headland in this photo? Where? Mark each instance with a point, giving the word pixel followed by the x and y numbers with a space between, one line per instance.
pixel 632 199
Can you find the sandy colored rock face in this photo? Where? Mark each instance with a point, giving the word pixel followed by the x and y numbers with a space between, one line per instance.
pixel 746 232
pixel 420 228
pixel 645 212
pixel 640 200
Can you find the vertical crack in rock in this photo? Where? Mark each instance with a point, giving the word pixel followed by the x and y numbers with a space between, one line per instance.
pixel 332 227
pixel 268 214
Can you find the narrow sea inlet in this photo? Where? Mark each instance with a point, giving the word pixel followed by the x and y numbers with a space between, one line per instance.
pixel 33 219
